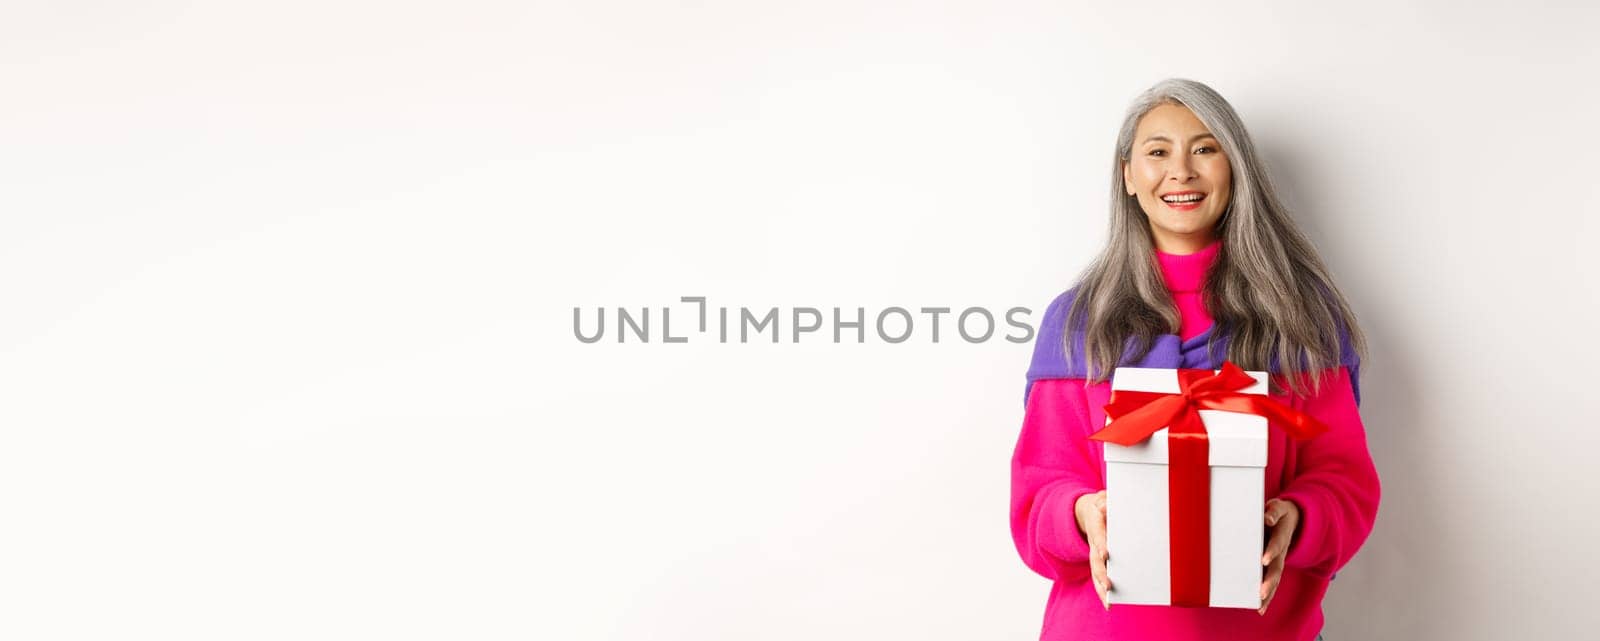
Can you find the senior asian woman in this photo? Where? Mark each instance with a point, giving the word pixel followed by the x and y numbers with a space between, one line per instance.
pixel 1202 266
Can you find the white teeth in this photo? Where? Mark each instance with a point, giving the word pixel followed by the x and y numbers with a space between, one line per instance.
pixel 1183 198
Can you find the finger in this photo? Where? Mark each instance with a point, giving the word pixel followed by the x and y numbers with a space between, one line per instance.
pixel 1097 570
pixel 1097 562
pixel 1269 582
pixel 1097 566
pixel 1278 545
pixel 1098 554
pixel 1275 511
pixel 1103 592
pixel 1267 600
pixel 1269 586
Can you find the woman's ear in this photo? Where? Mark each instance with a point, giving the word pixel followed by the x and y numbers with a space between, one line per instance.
pixel 1127 183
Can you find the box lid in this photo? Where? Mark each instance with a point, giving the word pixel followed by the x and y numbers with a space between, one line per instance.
pixel 1235 439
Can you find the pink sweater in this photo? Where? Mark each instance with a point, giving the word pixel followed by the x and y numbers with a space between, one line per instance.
pixel 1331 478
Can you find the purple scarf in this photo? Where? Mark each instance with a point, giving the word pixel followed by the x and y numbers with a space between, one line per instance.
pixel 1168 351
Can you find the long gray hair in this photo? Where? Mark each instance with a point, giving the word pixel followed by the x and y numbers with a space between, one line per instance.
pixel 1268 291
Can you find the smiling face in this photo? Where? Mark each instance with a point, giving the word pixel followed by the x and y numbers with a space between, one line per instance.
pixel 1180 176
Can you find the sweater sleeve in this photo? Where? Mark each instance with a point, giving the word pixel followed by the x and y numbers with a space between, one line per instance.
pixel 1335 483
pixel 1051 468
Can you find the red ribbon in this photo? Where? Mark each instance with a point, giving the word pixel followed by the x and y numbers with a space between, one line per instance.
pixel 1137 415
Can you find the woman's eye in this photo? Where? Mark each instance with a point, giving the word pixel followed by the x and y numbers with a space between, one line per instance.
pixel 1158 152
pixel 1205 150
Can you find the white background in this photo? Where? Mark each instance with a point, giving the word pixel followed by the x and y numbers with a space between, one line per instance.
pixel 286 348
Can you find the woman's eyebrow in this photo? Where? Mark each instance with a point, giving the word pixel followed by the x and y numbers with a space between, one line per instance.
pixel 1159 137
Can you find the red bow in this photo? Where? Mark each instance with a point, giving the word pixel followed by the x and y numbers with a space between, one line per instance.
pixel 1135 416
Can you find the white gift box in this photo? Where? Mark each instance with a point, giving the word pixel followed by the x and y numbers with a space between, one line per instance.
pixel 1137 528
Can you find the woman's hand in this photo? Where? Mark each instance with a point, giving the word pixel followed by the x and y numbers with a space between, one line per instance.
pixel 1282 517
pixel 1091 512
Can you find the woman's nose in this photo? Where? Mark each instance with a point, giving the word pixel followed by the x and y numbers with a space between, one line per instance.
pixel 1182 170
